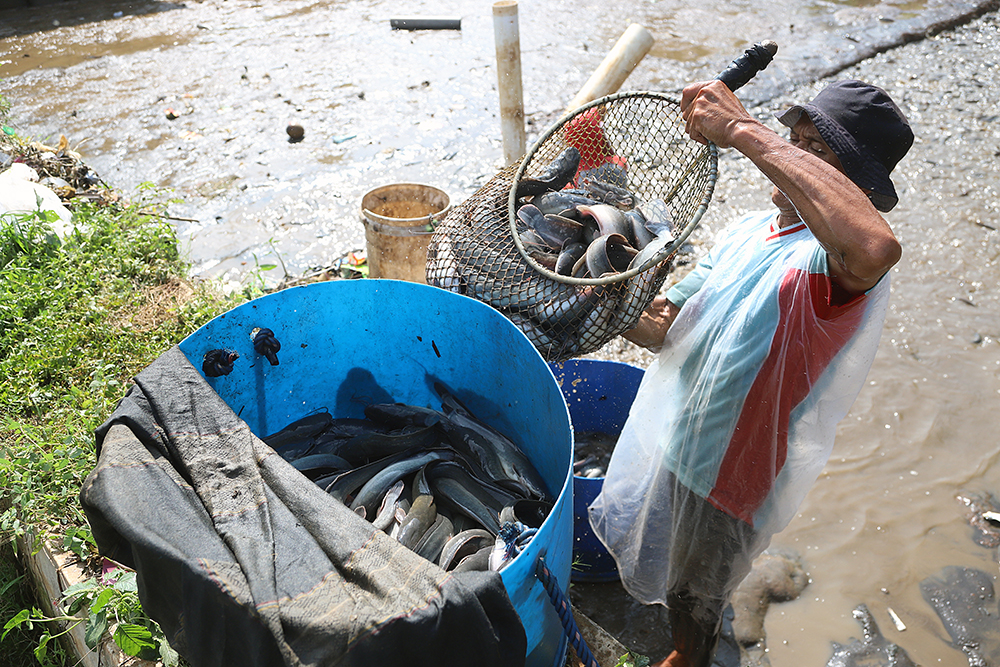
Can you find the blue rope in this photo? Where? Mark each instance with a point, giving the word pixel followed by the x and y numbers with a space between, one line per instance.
pixel 565 613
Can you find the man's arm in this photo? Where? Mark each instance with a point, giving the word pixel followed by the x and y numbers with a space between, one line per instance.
pixel 652 327
pixel 859 242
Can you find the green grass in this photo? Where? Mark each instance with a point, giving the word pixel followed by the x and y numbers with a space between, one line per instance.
pixel 79 317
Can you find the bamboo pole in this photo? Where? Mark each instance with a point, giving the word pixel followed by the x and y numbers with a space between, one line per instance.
pixel 630 48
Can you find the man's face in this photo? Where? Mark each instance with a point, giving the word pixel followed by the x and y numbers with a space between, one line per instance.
pixel 805 136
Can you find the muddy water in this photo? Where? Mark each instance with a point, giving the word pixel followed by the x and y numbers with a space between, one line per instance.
pixel 380 106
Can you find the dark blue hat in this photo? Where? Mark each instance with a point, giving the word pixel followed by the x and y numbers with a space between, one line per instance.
pixel 867 131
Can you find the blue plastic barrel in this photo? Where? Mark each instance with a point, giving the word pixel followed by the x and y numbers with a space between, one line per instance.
pixel 345 344
pixel 599 395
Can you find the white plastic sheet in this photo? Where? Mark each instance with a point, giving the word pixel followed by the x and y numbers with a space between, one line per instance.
pixel 20 193
pixel 736 417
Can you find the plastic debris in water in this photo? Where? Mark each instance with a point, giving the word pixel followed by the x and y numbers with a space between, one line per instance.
pixel 896 620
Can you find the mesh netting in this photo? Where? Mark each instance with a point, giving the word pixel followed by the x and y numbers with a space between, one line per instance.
pixel 572 243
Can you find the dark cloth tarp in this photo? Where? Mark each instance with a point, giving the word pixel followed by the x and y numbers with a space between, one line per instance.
pixel 244 561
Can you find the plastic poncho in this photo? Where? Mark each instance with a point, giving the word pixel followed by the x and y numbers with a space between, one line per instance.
pixel 740 407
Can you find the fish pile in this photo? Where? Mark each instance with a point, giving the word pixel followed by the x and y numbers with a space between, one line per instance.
pixel 573 223
pixel 442 482
pixel 594 230
pixel 592 453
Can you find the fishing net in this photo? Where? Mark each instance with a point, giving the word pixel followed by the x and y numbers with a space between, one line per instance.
pixel 573 242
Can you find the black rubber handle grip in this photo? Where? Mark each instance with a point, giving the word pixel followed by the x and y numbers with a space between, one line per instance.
pixel 744 68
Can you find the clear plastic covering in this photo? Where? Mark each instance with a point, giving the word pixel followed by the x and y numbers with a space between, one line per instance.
pixel 736 417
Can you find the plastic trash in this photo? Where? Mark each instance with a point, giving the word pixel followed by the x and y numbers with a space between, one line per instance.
pixel 21 193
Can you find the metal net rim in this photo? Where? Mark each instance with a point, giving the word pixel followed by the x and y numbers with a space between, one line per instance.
pixel 710 153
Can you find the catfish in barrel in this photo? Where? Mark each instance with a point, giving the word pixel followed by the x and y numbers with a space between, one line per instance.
pixel 499 457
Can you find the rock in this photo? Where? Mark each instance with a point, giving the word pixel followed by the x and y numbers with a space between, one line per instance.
pixel 964 601
pixel 775 577
pixel 295 132
pixel 873 651
pixel 982 511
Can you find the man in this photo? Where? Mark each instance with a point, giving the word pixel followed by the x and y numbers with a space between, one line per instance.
pixel 770 339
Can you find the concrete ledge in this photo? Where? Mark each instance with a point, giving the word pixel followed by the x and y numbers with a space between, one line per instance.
pixel 606 649
pixel 53 571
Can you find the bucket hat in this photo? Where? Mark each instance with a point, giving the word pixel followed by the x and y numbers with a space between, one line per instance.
pixel 867 131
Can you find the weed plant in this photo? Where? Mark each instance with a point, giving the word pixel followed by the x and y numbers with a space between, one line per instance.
pixel 17 649
pixel 79 317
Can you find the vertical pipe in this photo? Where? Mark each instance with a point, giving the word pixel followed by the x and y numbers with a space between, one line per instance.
pixel 631 47
pixel 508 45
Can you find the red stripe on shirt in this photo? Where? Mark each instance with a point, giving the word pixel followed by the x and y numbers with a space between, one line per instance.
pixel 808 337
pixel 784 231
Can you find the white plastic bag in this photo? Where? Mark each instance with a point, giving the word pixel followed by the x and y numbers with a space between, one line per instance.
pixel 20 193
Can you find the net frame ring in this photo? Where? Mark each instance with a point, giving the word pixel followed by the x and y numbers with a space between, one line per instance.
pixel 702 153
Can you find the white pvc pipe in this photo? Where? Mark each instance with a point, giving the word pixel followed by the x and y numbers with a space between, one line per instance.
pixel 508 45
pixel 631 47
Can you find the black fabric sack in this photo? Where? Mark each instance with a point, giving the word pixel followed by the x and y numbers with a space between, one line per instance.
pixel 244 561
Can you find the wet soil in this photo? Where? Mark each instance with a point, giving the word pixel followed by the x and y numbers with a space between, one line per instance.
pixel 197 97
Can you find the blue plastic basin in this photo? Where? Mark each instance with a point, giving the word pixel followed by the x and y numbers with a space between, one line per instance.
pixel 599 395
pixel 345 344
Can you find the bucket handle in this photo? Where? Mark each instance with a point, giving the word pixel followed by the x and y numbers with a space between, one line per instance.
pixel 564 611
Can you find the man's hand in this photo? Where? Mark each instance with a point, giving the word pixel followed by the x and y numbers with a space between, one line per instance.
pixel 653 324
pixel 712 112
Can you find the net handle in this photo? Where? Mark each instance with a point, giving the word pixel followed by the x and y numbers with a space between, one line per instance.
pixel 711 152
